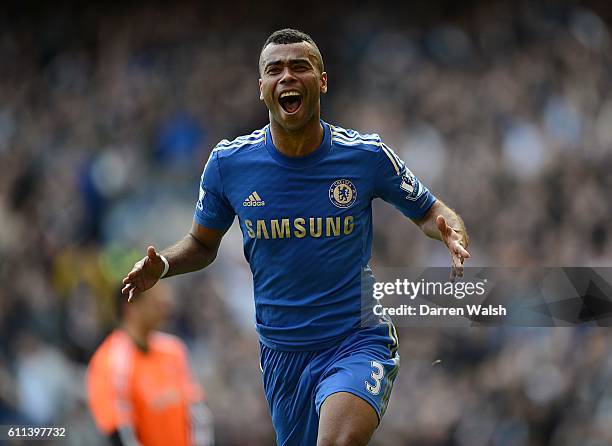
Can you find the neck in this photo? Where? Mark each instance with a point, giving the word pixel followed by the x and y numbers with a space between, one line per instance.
pixel 138 332
pixel 297 143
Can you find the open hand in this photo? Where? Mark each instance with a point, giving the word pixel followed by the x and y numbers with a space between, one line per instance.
pixel 145 273
pixel 456 243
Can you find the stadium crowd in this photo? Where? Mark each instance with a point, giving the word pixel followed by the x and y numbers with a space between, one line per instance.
pixel 106 119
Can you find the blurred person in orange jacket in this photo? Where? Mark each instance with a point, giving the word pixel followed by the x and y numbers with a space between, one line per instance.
pixel 140 387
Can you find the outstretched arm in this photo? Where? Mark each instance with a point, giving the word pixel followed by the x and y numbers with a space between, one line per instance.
pixel 195 251
pixel 442 223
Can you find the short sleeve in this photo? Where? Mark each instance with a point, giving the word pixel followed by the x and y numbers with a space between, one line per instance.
pixel 101 401
pixel 396 184
pixel 108 386
pixel 213 209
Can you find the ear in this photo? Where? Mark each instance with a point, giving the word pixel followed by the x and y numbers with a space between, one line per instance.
pixel 261 90
pixel 324 82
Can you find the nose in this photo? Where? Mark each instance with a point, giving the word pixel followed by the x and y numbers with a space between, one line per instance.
pixel 287 76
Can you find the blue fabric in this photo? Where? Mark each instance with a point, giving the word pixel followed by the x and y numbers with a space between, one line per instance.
pixel 296 384
pixel 306 225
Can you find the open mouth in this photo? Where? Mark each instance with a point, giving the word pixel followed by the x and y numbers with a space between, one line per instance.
pixel 290 101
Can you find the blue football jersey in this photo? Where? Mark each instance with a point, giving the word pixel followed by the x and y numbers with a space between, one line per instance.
pixel 307 226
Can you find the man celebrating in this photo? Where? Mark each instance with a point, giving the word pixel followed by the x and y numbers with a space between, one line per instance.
pixel 302 190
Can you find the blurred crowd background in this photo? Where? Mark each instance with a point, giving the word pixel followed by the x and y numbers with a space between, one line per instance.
pixel 107 116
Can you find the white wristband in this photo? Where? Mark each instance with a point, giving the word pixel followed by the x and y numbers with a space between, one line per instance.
pixel 166 266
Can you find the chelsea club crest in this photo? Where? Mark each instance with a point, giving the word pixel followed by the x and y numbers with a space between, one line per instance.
pixel 342 193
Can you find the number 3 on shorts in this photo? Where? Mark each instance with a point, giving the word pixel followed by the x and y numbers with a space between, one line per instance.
pixel 377 376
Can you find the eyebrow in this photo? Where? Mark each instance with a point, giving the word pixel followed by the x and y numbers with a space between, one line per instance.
pixel 290 61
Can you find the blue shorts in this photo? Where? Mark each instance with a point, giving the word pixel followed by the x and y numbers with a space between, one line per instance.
pixel 296 384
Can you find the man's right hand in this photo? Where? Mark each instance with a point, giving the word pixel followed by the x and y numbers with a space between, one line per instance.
pixel 144 275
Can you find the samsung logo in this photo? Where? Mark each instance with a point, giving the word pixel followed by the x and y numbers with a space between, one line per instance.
pixel 315 227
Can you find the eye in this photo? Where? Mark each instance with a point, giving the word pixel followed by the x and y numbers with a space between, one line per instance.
pixel 273 70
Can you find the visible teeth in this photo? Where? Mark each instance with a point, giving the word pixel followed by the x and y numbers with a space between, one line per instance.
pixel 289 93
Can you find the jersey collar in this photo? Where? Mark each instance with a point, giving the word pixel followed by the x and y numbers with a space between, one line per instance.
pixel 303 161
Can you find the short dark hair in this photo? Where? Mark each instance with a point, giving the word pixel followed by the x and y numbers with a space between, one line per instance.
pixel 290 35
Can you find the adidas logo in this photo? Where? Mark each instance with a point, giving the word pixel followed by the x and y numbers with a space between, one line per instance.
pixel 254 200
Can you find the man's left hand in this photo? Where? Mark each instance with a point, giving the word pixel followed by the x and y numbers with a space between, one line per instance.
pixel 456 243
